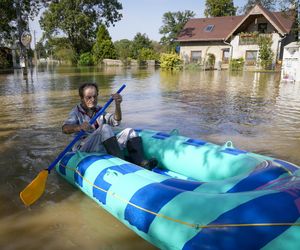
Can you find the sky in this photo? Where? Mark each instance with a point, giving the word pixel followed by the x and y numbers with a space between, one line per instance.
pixel 145 16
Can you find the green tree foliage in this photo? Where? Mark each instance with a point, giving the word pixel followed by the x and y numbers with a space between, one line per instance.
pixel 170 61
pixel 86 59
pixel 65 55
pixel 8 17
pixel 40 50
pixel 123 49
pixel 103 47
pixel 139 42
pixel 268 4
pixel 60 48
pixel 79 19
pixel 215 8
pixel 265 52
pixel 291 10
pixel 147 54
pixel 173 23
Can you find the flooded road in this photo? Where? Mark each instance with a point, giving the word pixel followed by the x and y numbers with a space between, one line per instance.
pixel 254 110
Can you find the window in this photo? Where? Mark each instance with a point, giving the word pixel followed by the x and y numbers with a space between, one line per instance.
pixel 262 27
pixel 209 28
pixel 196 56
pixel 251 57
pixel 225 56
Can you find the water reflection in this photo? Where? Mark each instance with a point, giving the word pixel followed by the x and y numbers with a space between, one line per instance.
pixel 254 110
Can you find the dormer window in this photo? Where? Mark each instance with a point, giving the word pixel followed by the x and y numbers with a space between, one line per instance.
pixel 209 28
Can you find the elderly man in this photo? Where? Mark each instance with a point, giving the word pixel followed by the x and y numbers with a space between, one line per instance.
pixel 100 137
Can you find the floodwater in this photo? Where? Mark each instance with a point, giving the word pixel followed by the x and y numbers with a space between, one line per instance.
pixel 255 111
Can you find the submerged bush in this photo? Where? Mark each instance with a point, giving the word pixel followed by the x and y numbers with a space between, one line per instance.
pixel 170 61
pixel 86 59
pixel 236 64
pixel 265 52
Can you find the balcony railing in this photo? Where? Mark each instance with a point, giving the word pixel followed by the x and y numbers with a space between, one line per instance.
pixel 251 38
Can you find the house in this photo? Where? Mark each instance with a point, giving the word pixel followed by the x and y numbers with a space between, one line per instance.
pixel 291 63
pixel 215 41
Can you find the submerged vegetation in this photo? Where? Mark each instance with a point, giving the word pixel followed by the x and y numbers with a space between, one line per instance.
pixel 170 61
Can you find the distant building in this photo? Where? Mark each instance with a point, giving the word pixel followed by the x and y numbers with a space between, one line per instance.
pixel 216 40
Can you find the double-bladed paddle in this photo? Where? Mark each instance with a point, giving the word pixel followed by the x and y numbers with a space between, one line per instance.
pixel 36 188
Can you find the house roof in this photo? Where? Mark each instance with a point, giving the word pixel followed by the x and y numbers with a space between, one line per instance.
pixel 194 30
pixel 226 26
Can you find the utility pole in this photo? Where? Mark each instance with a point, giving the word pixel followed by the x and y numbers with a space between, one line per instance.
pixel 23 62
pixel 35 53
pixel 296 7
pixel 24 38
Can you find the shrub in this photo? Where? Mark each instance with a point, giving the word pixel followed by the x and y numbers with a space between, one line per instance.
pixel 147 54
pixel 265 52
pixel 86 59
pixel 236 64
pixel 170 61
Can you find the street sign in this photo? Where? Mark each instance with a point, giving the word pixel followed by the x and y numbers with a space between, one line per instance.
pixel 26 38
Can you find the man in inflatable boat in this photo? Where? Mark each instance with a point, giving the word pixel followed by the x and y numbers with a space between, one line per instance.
pixel 100 137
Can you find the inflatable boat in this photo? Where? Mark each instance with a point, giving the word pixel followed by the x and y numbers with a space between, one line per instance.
pixel 201 195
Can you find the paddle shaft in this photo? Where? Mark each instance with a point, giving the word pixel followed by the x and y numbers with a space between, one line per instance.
pixel 79 135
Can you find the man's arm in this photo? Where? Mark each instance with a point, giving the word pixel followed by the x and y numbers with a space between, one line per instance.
pixel 118 112
pixel 73 128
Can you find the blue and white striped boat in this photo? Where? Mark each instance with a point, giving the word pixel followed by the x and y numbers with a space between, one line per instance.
pixel 202 195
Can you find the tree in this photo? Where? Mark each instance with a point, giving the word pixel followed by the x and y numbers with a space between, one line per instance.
pixel 265 52
pixel 267 4
pixel 173 23
pixel 219 8
pixel 79 20
pixel 147 54
pixel 123 49
pixel 9 10
pixel 40 50
pixel 291 10
pixel 103 47
pixel 140 41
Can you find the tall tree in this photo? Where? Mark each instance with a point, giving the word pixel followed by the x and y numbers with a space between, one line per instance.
pixel 103 47
pixel 123 48
pixel 291 8
pixel 173 23
pixel 79 20
pixel 215 8
pixel 140 41
pixel 268 4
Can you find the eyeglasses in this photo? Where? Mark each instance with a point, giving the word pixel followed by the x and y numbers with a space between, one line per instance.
pixel 89 97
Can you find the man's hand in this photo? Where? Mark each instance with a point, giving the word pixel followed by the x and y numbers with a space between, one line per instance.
pixel 85 126
pixel 117 97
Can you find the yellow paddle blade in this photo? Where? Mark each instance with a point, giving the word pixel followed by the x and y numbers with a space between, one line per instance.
pixel 35 189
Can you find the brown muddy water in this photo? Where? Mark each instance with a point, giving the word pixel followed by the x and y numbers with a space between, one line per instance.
pixel 255 111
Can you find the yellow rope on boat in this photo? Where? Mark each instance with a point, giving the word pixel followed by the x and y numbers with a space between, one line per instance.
pixel 192 225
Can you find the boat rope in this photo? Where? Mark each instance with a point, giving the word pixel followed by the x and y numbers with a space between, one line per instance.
pixel 192 225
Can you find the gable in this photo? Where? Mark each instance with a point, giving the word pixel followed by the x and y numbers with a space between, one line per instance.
pixel 280 21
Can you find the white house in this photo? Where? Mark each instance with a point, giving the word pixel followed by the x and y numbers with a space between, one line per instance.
pixel 232 37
